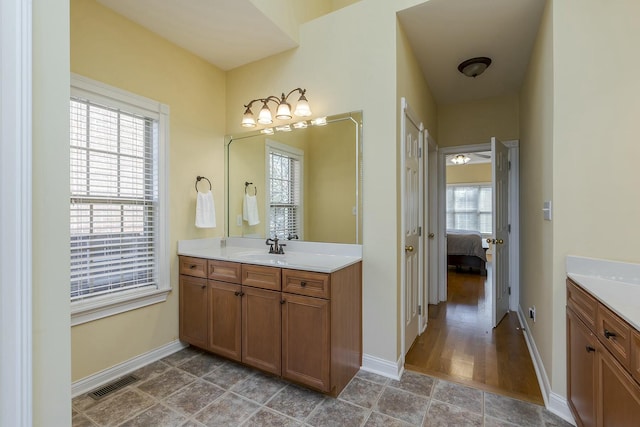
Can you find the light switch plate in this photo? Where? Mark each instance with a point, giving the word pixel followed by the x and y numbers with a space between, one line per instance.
pixel 546 210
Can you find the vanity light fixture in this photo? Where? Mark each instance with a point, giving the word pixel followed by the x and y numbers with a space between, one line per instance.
pixel 320 121
pixel 283 128
pixel 300 125
pixel 267 131
pixel 475 66
pixel 283 109
pixel 460 159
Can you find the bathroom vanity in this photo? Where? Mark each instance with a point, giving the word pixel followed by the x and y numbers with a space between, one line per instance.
pixel 603 342
pixel 297 315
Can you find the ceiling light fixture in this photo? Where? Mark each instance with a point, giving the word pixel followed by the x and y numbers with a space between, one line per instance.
pixel 460 159
pixel 475 66
pixel 283 109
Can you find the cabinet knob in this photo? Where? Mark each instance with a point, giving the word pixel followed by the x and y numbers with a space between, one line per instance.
pixel 303 284
pixel 203 287
pixel 192 266
pixel 590 349
pixel 237 293
pixel 282 301
pixel 608 334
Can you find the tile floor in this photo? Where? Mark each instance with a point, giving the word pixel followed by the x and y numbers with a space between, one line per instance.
pixel 191 388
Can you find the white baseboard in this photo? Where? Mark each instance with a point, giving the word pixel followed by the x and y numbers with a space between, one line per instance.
pixel 105 376
pixel 552 401
pixel 386 368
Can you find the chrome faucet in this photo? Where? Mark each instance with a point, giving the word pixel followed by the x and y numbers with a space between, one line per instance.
pixel 274 247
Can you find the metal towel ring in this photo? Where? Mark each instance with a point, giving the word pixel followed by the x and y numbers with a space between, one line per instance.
pixel 199 178
pixel 247 184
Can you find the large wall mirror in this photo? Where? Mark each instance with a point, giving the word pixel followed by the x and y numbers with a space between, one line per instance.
pixel 300 182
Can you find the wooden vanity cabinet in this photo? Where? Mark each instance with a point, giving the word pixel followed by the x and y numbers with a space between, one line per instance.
pixel 194 310
pixel 582 367
pixel 322 336
pixel 304 326
pixel 601 390
pixel 261 318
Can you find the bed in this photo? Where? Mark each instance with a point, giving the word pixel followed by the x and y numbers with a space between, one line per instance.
pixel 466 249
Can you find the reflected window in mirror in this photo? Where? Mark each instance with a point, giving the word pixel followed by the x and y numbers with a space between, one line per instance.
pixel 285 194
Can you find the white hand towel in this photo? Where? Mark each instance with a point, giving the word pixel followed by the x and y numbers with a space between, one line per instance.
pixel 205 210
pixel 250 210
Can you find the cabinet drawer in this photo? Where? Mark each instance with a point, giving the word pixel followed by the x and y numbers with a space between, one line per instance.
pixel 196 267
pixel 224 271
pixel 615 334
pixel 635 355
pixel 261 277
pixel 583 304
pixel 306 283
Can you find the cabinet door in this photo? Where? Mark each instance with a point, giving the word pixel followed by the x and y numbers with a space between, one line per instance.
pixel 261 329
pixel 306 341
pixel 618 393
pixel 193 311
pixel 581 371
pixel 225 308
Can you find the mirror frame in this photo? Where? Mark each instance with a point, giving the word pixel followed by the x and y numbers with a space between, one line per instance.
pixel 355 116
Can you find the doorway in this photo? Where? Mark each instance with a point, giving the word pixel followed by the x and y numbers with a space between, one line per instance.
pixel 460 342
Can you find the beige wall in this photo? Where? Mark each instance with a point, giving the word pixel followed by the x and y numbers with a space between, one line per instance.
pixel 475 122
pixel 536 186
pixel 50 217
pixel 113 50
pixel 340 79
pixel 465 174
pixel 596 112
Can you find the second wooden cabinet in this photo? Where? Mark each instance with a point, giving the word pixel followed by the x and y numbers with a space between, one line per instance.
pixel 303 326
pixel 600 360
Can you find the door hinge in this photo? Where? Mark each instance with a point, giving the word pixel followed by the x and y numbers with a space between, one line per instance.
pixel 419 309
pixel 419 231
pixel 509 165
pixel 509 290
pixel 419 151
pixel 509 228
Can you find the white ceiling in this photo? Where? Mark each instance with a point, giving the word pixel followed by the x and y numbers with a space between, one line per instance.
pixel 226 33
pixel 442 33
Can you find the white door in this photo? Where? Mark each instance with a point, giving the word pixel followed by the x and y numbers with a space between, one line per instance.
pixel 500 263
pixel 411 223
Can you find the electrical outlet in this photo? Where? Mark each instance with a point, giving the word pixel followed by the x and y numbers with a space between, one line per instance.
pixel 532 313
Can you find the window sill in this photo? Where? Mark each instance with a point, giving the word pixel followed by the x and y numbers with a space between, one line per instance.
pixel 110 305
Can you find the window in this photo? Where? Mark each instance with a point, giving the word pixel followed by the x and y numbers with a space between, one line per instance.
pixel 117 201
pixel 284 199
pixel 469 207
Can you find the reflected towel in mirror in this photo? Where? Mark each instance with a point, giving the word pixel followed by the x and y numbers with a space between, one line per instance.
pixel 205 210
pixel 250 210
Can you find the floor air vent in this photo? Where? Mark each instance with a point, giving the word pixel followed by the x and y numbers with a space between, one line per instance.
pixel 114 386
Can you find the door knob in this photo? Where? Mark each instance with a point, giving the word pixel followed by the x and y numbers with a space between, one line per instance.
pixel 491 241
pixel 500 241
pixel 431 235
pixel 408 248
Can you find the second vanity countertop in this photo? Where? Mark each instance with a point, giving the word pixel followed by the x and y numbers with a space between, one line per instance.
pixel 615 284
pixel 308 256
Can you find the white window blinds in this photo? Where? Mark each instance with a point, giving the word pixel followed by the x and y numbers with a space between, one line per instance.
pixel 114 200
pixel 469 207
pixel 284 194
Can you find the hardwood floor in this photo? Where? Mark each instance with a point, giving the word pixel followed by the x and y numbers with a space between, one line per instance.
pixel 460 344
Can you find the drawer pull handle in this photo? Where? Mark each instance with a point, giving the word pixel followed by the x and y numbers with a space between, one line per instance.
pixel 192 266
pixel 590 349
pixel 238 293
pixel 303 284
pixel 608 334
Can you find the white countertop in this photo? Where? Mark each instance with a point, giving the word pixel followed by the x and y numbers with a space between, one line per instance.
pixel 615 284
pixel 309 256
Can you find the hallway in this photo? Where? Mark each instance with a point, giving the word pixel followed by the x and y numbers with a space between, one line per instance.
pixel 460 345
